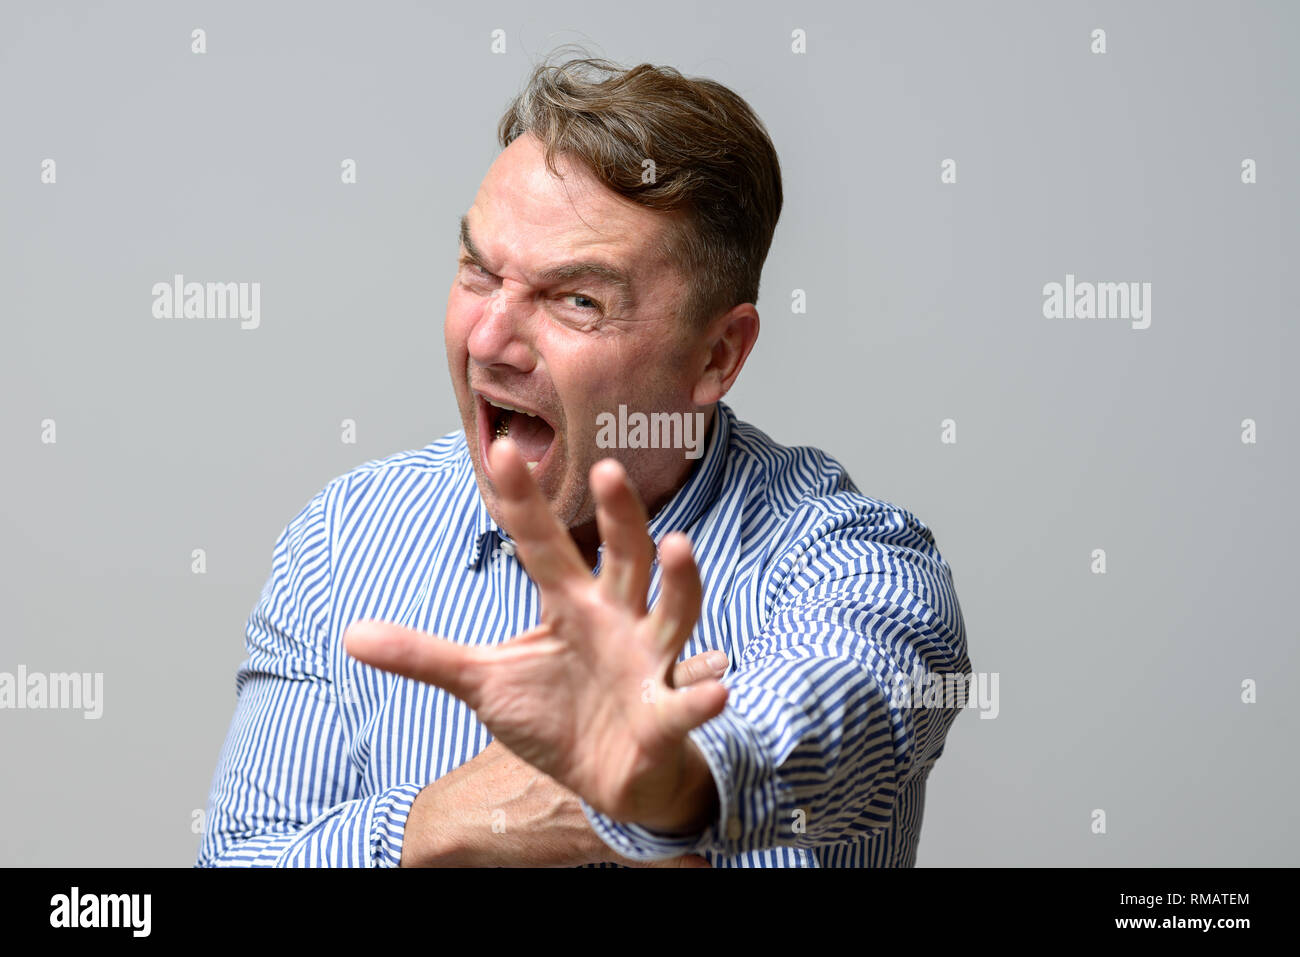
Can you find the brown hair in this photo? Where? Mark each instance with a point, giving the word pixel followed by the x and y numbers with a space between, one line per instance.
pixel 715 167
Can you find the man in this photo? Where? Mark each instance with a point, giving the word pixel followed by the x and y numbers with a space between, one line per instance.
pixel 495 650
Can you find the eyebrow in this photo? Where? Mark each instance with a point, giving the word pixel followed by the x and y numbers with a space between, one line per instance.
pixel 600 271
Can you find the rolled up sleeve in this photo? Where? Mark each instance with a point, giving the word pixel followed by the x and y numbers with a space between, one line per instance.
pixel 815 743
pixel 284 793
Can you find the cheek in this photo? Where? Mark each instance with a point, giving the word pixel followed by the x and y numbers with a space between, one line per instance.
pixel 587 386
pixel 461 312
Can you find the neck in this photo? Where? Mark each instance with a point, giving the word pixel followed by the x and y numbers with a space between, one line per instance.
pixel 587 535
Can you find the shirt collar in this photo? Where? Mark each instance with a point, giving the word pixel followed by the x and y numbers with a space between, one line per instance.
pixel 681 511
pixel 482 527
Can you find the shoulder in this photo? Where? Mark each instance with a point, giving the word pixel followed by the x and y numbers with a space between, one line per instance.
pixel 435 465
pixel 412 478
pixel 812 496
pixel 826 537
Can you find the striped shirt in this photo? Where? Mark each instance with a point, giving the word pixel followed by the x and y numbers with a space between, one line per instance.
pixel 825 602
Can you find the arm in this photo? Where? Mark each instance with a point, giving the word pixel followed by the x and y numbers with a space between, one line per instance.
pixel 809 750
pixel 284 793
pixel 586 695
pixel 541 823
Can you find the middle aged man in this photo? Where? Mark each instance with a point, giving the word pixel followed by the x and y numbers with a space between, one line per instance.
pixel 608 267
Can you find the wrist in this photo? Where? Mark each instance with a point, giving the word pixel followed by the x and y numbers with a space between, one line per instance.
pixel 694 804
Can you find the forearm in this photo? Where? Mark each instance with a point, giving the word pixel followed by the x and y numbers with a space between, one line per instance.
pixel 497 811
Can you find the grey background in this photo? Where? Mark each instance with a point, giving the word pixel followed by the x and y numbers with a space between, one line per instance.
pixel 1118 691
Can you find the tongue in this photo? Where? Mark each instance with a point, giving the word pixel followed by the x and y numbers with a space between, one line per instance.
pixel 531 434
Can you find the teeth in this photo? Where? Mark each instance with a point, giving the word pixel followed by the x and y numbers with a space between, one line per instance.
pixel 509 408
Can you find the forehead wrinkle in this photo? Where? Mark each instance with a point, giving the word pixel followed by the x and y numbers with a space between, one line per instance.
pixel 602 272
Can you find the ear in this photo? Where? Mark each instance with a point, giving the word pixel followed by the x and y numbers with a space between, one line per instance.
pixel 728 340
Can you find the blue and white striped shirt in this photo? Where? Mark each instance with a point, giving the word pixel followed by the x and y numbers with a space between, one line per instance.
pixel 822 599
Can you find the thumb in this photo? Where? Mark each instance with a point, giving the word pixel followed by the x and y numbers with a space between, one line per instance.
pixel 414 654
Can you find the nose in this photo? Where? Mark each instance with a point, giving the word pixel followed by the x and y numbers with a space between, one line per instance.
pixel 501 332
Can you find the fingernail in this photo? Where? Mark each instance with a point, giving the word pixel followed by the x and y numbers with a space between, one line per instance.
pixel 717 661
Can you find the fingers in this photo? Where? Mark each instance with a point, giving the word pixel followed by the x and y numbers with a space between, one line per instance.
pixel 621 519
pixel 416 655
pixel 678 608
pixel 688 708
pixel 545 547
pixel 710 664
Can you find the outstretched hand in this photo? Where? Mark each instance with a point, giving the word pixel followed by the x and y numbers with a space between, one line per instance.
pixel 587 696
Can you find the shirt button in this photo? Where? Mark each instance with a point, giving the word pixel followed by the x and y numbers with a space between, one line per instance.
pixel 508 548
pixel 733 829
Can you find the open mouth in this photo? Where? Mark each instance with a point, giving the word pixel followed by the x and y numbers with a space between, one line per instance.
pixel 533 434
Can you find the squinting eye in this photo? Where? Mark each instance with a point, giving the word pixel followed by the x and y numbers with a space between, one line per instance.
pixel 594 305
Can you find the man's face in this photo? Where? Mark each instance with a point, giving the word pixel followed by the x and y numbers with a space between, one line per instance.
pixel 529 329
